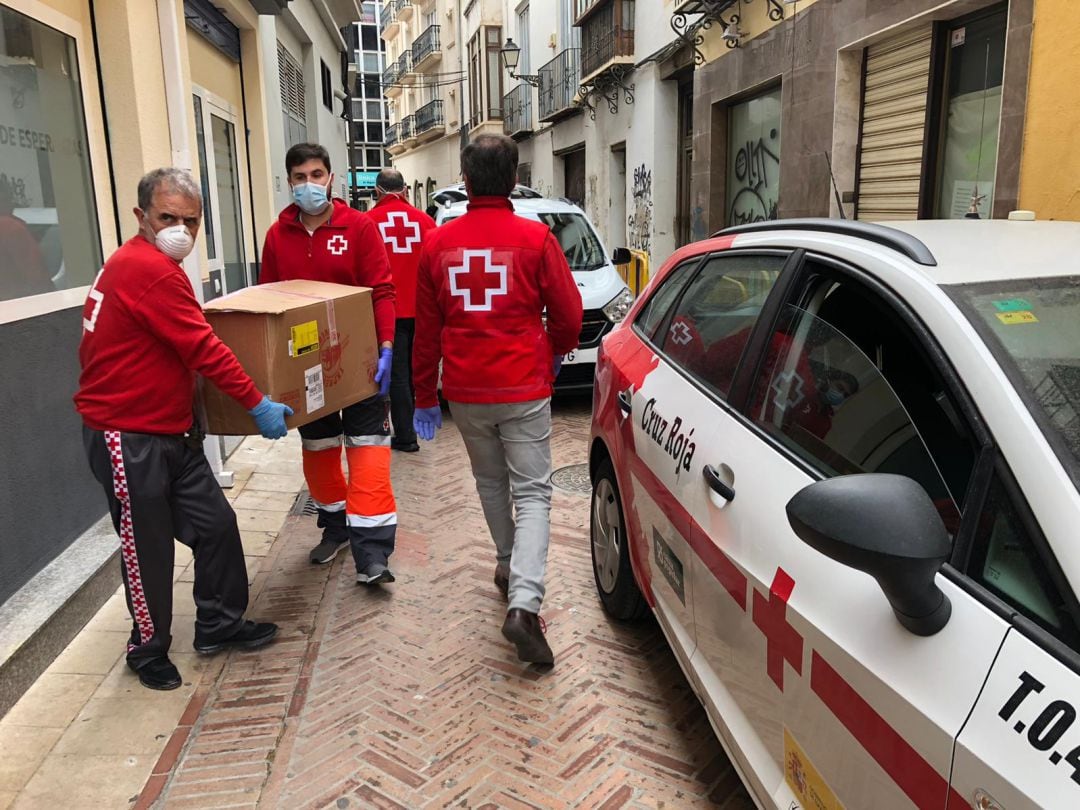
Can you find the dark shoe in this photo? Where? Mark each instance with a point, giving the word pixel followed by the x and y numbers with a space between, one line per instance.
pixel 525 631
pixel 159 673
pixel 406 448
pixel 326 551
pixel 374 574
pixel 250 636
pixel 502 582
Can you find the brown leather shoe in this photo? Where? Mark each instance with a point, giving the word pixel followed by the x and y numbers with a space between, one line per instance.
pixel 524 630
pixel 502 582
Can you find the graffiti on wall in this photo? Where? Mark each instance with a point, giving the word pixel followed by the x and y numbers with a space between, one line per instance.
pixel 639 223
pixel 754 196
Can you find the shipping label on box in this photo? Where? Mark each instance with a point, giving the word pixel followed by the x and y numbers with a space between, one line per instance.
pixel 308 344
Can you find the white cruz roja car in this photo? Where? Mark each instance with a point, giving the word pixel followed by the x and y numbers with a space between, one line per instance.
pixel 839 462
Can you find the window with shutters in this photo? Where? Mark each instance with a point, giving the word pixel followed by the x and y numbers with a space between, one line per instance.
pixel 293 99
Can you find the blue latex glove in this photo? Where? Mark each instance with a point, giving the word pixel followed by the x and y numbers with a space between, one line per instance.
pixel 270 418
pixel 382 373
pixel 426 421
pixel 557 364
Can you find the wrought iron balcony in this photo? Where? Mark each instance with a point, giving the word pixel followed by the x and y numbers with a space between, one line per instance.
pixel 517 111
pixel 404 66
pixel 607 35
pixel 390 80
pixel 426 48
pixel 406 129
pixel 388 19
pixel 429 118
pixel 559 85
pixel 392 136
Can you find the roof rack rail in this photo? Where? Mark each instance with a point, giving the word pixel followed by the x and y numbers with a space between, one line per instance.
pixel 899 241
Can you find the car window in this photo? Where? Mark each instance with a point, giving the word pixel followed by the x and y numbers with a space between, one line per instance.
pixel 713 319
pixel 1032 326
pixel 821 396
pixel 662 298
pixel 577 240
pixel 1005 560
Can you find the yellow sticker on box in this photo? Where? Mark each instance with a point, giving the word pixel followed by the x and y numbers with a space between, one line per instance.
pixel 1013 318
pixel 304 338
pixel 804 780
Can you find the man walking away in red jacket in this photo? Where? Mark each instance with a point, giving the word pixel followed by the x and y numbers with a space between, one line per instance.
pixel 321 239
pixel 144 338
pixel 484 283
pixel 403 228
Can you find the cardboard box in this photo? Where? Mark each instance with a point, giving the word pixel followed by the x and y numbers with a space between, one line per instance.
pixel 308 344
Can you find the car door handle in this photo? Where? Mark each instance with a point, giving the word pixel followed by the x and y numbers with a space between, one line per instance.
pixel 624 400
pixel 712 478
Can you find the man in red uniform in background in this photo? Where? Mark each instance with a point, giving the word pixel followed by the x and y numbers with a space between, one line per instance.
pixel 403 228
pixel 485 281
pixel 144 338
pixel 320 239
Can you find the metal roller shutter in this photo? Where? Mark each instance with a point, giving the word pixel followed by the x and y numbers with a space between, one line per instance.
pixel 893 124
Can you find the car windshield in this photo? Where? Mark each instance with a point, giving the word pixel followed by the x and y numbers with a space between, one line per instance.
pixel 579 243
pixel 1033 328
pixel 576 238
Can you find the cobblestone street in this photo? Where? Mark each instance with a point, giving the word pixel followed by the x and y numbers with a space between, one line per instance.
pixel 408 696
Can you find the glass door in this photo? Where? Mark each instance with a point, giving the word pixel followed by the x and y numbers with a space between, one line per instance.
pixel 226 268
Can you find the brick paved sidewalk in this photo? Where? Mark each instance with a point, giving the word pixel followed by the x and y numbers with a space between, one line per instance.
pixel 408 696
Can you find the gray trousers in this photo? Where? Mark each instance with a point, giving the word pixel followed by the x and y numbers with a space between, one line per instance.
pixel 509 447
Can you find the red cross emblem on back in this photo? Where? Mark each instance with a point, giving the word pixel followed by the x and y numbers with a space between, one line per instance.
pixel 477 281
pixel 400 232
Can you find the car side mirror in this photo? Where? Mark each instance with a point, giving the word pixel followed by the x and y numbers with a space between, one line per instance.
pixel 621 256
pixel 886 526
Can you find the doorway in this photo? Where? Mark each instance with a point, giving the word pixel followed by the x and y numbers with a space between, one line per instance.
pixel 226 269
pixel 617 212
pixel 574 176
pixel 684 231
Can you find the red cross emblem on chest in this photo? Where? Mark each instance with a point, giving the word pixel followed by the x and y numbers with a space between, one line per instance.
pixel 783 640
pixel 337 244
pixel 400 232
pixel 477 281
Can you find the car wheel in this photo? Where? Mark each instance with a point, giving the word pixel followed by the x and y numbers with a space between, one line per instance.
pixel 610 551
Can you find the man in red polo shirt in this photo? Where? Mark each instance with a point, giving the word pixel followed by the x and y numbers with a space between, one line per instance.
pixel 144 338
pixel 321 239
pixel 403 228
pixel 485 282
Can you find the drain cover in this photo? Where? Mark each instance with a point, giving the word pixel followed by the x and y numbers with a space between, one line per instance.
pixel 304 505
pixel 574 478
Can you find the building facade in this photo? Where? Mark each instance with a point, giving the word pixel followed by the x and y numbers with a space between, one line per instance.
pixel 220 88
pixel 369 115
pixel 668 119
pixel 426 86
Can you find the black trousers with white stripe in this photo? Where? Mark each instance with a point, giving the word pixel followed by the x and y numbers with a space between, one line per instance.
pixel 160 488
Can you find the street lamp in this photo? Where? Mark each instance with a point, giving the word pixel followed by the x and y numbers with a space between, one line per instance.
pixel 510 54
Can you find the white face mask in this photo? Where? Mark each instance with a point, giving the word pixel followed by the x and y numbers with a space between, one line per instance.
pixel 174 241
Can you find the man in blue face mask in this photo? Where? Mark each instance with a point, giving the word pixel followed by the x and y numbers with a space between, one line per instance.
pixel 319 238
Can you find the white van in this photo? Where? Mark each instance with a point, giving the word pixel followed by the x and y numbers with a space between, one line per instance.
pixel 604 294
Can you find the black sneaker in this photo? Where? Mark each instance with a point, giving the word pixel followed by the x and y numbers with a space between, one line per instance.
pixel 374 574
pixel 250 636
pixel 411 447
pixel 158 673
pixel 326 551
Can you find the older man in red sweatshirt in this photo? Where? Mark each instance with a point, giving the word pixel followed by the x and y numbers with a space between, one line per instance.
pixel 403 229
pixel 144 338
pixel 321 239
pixel 485 282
